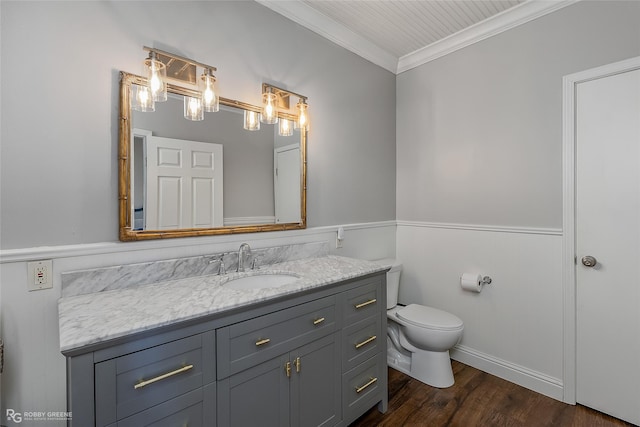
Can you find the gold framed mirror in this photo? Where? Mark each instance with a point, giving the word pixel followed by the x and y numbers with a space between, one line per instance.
pixel 228 194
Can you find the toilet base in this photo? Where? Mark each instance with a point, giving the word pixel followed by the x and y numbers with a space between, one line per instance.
pixel 432 368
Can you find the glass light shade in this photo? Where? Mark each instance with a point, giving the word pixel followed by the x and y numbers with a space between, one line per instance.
pixel 193 108
pixel 251 120
pixel 156 73
pixel 269 114
pixel 141 99
pixel 303 115
pixel 210 99
pixel 285 128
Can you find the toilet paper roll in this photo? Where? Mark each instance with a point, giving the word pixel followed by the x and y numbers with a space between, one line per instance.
pixel 471 282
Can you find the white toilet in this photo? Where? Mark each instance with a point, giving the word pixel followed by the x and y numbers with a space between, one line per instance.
pixel 419 337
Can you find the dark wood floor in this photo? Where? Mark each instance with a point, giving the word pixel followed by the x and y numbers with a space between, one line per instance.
pixel 476 399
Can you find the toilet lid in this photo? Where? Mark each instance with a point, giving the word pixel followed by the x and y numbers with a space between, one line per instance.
pixel 429 317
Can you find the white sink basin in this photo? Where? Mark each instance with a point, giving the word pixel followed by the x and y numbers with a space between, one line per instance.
pixel 260 281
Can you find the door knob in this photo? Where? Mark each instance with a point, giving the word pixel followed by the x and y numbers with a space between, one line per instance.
pixel 589 261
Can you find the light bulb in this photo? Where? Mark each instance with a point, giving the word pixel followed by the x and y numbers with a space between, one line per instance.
pixel 303 115
pixel 156 73
pixel 210 98
pixel 251 120
pixel 141 99
pixel 193 108
pixel 269 113
pixel 285 128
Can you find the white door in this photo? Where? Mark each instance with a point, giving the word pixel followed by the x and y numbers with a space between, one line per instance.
pixel 184 184
pixel 608 229
pixel 287 181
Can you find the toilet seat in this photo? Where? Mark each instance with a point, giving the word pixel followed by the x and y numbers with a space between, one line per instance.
pixel 429 318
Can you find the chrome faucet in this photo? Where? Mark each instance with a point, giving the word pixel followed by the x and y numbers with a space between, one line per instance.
pixel 242 253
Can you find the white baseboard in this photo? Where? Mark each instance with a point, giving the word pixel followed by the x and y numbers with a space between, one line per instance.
pixel 525 377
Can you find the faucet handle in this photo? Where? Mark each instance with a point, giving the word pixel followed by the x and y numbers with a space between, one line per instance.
pixel 219 259
pixel 254 262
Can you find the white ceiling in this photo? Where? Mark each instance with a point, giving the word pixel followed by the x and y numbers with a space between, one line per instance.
pixel 401 34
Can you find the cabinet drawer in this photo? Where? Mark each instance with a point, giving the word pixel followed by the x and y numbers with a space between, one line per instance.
pixel 362 387
pixel 363 302
pixel 361 341
pixel 193 409
pixel 248 343
pixel 135 382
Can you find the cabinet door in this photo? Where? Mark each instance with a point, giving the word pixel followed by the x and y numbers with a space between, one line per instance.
pixel 258 396
pixel 315 383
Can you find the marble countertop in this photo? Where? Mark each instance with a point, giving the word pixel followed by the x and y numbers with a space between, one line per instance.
pixel 101 316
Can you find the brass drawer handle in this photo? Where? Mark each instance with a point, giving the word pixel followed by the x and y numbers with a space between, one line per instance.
pixel 367 341
pixel 371 381
pixel 264 341
pixel 298 364
pixel 318 321
pixel 366 303
pixel 162 377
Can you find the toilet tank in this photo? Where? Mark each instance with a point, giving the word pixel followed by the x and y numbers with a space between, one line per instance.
pixel 393 280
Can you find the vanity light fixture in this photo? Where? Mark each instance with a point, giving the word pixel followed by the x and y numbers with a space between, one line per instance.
pixel 210 98
pixel 303 114
pixel 201 94
pixel 156 73
pixel 251 120
pixel 161 66
pixel 272 95
pixel 269 114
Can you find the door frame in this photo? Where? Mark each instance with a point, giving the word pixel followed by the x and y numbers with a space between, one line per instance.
pixel 569 84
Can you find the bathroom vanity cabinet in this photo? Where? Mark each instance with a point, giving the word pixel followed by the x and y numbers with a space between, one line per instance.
pixel 316 357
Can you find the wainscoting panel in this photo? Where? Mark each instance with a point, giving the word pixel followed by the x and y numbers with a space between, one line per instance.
pixel 513 328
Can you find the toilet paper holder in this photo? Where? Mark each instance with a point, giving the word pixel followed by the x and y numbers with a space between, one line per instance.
pixel 486 280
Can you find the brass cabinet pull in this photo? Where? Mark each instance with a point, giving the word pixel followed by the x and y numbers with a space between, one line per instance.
pixel 318 321
pixel 162 377
pixel 366 303
pixel 287 369
pixel 264 341
pixel 371 381
pixel 298 364
pixel 367 341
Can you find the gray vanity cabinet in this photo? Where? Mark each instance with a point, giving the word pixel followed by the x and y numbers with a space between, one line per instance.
pixel 300 386
pixel 316 358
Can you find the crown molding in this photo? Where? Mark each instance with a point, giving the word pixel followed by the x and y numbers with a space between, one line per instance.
pixel 337 33
pixel 499 23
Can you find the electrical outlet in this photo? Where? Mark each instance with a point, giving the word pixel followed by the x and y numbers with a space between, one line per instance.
pixel 39 275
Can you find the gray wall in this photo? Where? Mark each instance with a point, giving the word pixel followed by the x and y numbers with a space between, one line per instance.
pixel 479 131
pixel 60 63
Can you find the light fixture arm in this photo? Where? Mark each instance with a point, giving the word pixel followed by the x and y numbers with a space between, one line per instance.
pixel 266 87
pixel 155 51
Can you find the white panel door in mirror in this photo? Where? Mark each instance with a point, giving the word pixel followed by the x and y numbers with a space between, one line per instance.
pixel 184 182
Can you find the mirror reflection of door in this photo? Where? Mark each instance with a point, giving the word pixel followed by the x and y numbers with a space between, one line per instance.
pixel 183 183
pixel 286 161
